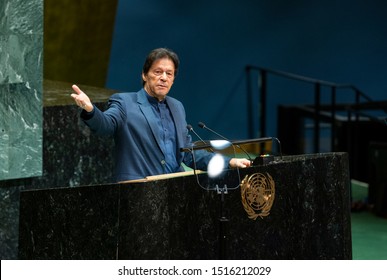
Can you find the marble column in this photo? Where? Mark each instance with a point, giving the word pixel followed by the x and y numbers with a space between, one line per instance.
pixel 21 105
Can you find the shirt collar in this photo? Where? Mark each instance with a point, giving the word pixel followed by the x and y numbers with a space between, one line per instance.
pixel 154 101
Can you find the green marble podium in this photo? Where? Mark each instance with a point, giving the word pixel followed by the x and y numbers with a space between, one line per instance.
pixel 176 219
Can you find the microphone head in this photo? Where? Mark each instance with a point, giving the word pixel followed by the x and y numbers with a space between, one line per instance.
pixel 189 127
pixel 201 125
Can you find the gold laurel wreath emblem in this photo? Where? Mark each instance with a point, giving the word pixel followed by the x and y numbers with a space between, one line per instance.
pixel 258 192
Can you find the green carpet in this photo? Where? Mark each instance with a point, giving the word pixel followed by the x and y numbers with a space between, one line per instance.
pixel 369 236
pixel 369 232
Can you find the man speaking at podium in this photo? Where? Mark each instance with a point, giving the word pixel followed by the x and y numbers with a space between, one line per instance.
pixel 149 127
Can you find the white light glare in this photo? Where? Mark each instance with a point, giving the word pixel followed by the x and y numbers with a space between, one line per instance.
pixel 220 144
pixel 215 166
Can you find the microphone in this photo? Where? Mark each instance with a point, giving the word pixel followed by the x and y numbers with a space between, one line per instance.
pixel 190 128
pixel 202 125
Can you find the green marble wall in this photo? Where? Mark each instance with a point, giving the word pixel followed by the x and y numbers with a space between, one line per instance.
pixel 21 90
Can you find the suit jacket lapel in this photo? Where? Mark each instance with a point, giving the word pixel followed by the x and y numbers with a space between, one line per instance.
pixel 179 123
pixel 146 109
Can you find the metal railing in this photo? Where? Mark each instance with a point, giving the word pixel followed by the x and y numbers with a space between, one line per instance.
pixel 353 110
pixel 318 84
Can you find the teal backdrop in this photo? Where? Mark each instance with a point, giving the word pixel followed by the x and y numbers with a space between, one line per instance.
pixel 338 41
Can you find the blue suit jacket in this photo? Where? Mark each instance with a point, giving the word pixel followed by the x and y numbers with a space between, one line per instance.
pixel 130 119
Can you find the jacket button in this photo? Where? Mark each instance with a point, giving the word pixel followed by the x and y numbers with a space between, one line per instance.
pixel 162 162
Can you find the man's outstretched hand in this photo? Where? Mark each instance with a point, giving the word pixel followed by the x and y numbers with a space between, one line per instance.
pixel 81 99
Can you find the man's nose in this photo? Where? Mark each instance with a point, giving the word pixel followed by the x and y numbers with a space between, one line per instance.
pixel 164 75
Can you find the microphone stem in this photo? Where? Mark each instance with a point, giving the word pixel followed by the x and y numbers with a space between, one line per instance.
pixel 202 125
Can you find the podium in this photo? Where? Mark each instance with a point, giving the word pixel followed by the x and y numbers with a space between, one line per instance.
pixel 173 218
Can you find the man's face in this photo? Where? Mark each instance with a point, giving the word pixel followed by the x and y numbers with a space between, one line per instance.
pixel 159 79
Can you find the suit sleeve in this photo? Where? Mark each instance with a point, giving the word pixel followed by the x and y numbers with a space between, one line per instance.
pixel 107 122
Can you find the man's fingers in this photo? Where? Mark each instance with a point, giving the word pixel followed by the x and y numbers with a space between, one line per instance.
pixel 81 99
pixel 77 89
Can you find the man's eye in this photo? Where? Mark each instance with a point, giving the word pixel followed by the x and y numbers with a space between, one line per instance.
pixel 158 72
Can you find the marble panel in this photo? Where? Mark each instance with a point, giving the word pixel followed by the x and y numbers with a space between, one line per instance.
pixel 21 131
pixel 78 237
pixel 21 89
pixel 21 17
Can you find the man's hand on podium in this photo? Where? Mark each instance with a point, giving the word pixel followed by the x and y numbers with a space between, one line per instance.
pixel 239 162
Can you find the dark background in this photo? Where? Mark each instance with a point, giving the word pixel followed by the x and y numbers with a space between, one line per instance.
pixel 338 41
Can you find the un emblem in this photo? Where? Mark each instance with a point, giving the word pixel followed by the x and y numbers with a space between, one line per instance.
pixel 258 192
